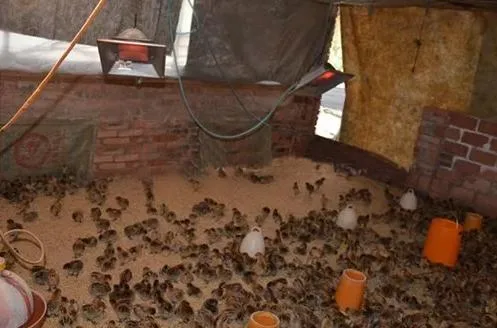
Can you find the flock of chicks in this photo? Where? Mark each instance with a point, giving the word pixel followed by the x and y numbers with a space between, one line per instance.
pixel 295 278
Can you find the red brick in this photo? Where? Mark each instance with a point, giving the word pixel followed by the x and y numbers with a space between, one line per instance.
pixel 462 194
pixel 103 159
pixel 425 155
pixel 483 157
pixel 111 166
pixel 488 128
pixel 493 146
pixel 445 174
pixel 158 162
pixel 440 131
pixel 106 134
pixel 134 165
pixel 116 141
pixel 439 188
pixel 108 150
pixel 424 183
pixel 453 133
pixel 486 205
pixel 166 137
pixel 115 126
pixel 150 156
pixel 474 139
pixel 489 174
pixel 478 184
pixel 455 148
pixel 131 133
pixel 127 158
pixel 142 124
pixel 465 167
pixel 463 121
pixel 445 160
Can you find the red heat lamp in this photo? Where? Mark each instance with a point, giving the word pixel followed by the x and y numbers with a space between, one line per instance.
pixel 321 79
pixel 132 54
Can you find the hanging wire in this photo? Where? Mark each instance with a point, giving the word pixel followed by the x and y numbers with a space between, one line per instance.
pixel 245 133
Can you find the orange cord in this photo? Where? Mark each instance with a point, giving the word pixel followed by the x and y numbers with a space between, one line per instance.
pixel 32 98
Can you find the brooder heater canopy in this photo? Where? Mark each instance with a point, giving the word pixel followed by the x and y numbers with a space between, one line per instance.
pixel 132 54
pixel 319 80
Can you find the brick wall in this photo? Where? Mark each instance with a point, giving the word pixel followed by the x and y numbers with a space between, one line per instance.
pixel 456 157
pixel 148 128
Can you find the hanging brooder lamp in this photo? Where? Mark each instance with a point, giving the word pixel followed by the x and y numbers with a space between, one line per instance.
pixel 132 54
pixel 321 79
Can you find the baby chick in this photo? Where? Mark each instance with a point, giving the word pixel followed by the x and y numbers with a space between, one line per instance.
pixel 56 207
pixel 184 311
pixel 113 213
pixel 324 201
pixel 90 241
pixel 94 312
pixel 11 225
pixel 78 248
pixel 125 277
pixel 122 202
pixel 295 188
pixel 78 216
pixel 122 255
pixel 135 252
pixel 73 268
pixel 40 275
pixel 309 187
pixel 102 225
pixel 142 312
pixel 319 183
pixel 192 290
pixel 221 173
pixel 123 311
pixel 100 277
pixel 108 236
pixel 96 213
pixel 52 280
pixel 30 216
pixel 99 289
pixel 54 303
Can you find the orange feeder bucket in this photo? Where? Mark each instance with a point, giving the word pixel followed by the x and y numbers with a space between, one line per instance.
pixel 443 242
pixel 473 221
pixel 133 52
pixel 350 290
pixel 263 319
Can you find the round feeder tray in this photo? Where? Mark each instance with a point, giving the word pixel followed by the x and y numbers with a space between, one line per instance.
pixel 40 310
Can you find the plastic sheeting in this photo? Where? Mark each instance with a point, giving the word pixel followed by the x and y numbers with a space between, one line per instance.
pixel 252 41
pixel 20 52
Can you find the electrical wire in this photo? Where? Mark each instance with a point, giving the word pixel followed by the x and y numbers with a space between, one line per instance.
pixel 4 239
pixel 245 133
pixel 240 103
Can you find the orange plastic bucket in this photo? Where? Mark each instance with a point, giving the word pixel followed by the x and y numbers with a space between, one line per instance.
pixel 263 319
pixel 473 221
pixel 350 290
pixel 443 242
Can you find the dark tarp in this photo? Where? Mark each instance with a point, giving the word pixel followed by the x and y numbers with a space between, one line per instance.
pixel 258 40
pixel 252 40
pixel 27 149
